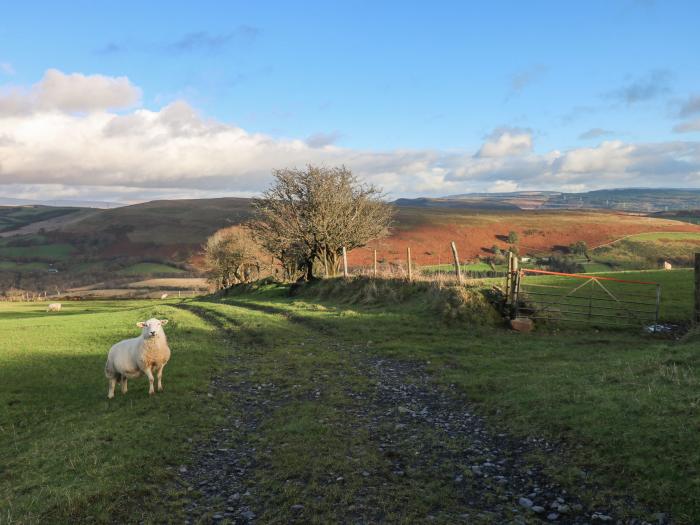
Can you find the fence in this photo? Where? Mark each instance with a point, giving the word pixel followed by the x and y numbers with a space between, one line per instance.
pixel 555 296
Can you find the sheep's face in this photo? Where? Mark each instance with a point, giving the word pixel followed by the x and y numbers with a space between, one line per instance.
pixel 152 327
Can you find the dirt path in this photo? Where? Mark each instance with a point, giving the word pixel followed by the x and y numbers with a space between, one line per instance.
pixel 406 450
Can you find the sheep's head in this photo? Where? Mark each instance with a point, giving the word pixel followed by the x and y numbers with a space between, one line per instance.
pixel 152 328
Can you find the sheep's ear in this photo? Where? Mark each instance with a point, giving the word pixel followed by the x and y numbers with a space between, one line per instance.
pixel 163 322
pixel 140 324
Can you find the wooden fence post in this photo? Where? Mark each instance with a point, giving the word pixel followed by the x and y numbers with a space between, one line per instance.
pixel 458 271
pixel 408 258
pixel 345 262
pixel 513 278
pixel 375 264
pixel 696 312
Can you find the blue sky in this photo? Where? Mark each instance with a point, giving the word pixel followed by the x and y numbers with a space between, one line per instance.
pixel 412 91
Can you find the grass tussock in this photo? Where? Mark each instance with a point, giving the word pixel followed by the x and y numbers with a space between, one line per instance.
pixel 452 302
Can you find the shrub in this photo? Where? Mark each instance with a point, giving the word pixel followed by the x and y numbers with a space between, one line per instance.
pixel 451 302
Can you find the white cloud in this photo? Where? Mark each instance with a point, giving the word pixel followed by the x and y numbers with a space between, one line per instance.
pixel 145 154
pixel 504 142
pixel 503 186
pixel 609 157
pixel 58 91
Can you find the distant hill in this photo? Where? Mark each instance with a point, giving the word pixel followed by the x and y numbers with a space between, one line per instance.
pixel 74 246
pixel 58 203
pixel 646 200
pixel 464 204
pixel 165 222
pixel 16 218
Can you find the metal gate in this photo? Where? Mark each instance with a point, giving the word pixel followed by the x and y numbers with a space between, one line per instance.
pixel 594 299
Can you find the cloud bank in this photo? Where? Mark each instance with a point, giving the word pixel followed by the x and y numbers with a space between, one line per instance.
pixel 57 91
pixel 72 136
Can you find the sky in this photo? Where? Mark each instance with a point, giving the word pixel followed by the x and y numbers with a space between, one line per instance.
pixel 134 101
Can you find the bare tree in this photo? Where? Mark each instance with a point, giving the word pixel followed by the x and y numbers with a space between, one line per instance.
pixel 317 211
pixel 232 256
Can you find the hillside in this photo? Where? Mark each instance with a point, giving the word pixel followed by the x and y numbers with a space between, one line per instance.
pixel 74 247
pixel 22 219
pixel 429 231
pixel 165 222
pixel 646 200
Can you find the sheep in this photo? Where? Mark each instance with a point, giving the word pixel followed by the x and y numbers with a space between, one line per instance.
pixel 130 358
pixel 54 307
pixel 164 296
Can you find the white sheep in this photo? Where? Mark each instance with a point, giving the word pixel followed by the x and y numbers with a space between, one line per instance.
pixel 164 296
pixel 54 307
pixel 130 358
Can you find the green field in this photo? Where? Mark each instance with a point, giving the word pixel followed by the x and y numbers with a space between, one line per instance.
pixel 149 269
pixel 23 267
pixel 471 267
pixel 45 252
pixel 66 453
pixel 617 401
pixel 649 250
pixel 661 236
pixel 676 291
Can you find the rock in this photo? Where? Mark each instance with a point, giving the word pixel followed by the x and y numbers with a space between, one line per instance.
pixel 182 469
pixel 248 514
pixel 537 509
pixel 552 516
pixel 525 502
pixel 297 507
pixel 599 516
pixel 522 324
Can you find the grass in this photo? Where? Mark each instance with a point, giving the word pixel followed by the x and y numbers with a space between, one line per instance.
pixel 676 291
pixel 172 283
pixel 662 236
pixel 624 405
pixel 471 267
pixel 23 267
pixel 69 454
pixel 149 269
pixel 649 250
pixel 618 399
pixel 46 252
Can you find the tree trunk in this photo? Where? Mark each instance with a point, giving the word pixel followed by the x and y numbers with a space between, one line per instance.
pixel 334 263
pixel 310 270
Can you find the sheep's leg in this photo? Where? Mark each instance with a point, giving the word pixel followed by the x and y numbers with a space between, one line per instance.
pixel 160 378
pixel 124 387
pixel 149 374
pixel 112 384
